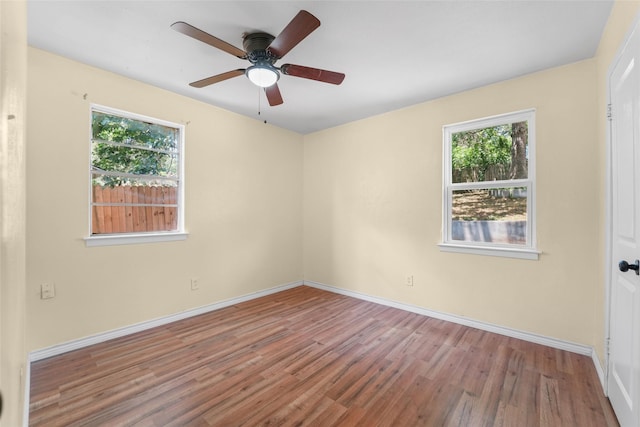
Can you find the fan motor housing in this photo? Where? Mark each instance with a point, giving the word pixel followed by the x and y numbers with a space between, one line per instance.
pixel 256 44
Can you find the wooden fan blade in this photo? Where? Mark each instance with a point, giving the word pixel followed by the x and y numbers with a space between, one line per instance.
pixel 300 27
pixel 191 31
pixel 312 73
pixel 273 95
pixel 217 78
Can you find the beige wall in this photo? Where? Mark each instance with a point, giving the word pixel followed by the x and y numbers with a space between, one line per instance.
pixel 243 208
pixel 373 209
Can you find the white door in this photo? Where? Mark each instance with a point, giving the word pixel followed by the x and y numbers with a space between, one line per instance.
pixel 624 312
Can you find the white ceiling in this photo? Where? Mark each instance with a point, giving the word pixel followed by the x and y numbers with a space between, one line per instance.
pixel 394 53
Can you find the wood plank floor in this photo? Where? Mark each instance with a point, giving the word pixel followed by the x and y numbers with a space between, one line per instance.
pixel 309 357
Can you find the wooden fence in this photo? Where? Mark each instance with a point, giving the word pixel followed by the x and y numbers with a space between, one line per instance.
pixel 133 212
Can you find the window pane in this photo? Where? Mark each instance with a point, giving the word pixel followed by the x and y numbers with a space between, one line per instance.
pixel 132 160
pixel 135 173
pixel 108 127
pixel 490 154
pixel 140 206
pixel 496 215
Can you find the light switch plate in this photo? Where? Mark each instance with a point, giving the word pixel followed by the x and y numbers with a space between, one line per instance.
pixel 47 291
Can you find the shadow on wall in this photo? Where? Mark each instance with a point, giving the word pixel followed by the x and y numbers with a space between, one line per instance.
pixel 514 232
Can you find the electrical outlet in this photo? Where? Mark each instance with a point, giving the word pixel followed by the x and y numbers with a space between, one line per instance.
pixel 195 284
pixel 409 281
pixel 47 291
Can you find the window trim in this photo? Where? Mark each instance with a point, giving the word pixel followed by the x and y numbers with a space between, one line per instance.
pixel 92 240
pixel 132 239
pixel 447 244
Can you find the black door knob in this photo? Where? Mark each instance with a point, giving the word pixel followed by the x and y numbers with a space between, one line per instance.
pixel 624 266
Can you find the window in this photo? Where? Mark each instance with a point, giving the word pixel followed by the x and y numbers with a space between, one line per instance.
pixel 135 178
pixel 489 186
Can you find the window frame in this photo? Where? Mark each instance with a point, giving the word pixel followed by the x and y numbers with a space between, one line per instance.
pixel 142 236
pixel 447 244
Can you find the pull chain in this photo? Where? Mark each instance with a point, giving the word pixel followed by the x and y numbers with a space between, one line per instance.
pixel 260 105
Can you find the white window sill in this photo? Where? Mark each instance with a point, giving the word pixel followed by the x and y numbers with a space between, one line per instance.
pixel 491 251
pixel 132 239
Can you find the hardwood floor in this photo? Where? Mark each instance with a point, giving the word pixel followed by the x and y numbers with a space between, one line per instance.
pixel 310 357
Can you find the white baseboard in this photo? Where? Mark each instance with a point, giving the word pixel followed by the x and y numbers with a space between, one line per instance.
pixel 514 333
pixel 599 371
pixel 120 332
pixel 26 394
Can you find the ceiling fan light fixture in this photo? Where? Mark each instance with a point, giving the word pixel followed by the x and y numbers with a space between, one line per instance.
pixel 263 50
pixel 263 76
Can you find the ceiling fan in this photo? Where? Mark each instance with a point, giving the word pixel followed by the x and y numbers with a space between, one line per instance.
pixel 262 50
